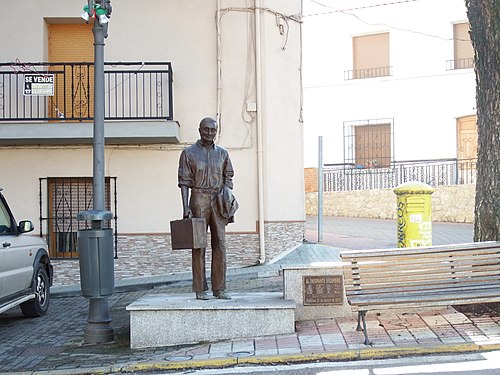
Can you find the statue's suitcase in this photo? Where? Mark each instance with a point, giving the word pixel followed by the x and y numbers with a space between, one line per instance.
pixel 188 233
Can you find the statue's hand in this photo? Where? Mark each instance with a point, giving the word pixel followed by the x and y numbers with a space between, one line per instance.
pixel 188 214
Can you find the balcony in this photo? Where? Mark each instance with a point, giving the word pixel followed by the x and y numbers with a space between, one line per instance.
pixel 383 71
pixel 467 63
pixel 52 103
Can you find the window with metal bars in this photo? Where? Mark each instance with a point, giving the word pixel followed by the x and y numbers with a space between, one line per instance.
pixel 368 144
pixel 64 198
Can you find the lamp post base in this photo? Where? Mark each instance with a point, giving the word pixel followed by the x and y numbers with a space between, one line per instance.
pixel 98 329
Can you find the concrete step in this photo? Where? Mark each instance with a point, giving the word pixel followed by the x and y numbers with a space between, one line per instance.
pixel 175 319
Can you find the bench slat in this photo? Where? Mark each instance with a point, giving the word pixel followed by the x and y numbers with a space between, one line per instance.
pixel 379 288
pixel 464 259
pixel 425 304
pixel 416 272
pixel 377 292
pixel 419 296
pixel 419 276
pixel 409 263
pixel 476 246
pixel 395 254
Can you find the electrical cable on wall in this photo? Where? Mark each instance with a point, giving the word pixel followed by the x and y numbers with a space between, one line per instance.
pixel 249 117
pixel 283 26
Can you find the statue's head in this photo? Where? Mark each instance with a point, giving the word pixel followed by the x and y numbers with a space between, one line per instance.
pixel 208 129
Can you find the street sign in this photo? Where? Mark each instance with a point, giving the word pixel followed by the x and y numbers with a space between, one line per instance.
pixel 39 85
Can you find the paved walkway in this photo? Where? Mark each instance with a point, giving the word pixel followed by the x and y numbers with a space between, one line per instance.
pixel 53 344
pixel 358 233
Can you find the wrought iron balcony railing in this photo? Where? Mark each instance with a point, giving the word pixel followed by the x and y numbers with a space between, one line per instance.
pixel 460 64
pixel 382 71
pixel 346 177
pixel 64 91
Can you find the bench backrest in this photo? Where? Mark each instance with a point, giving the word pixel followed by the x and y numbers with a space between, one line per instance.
pixel 438 268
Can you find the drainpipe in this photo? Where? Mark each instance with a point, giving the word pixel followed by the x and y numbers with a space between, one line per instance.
pixel 320 189
pixel 260 141
pixel 219 79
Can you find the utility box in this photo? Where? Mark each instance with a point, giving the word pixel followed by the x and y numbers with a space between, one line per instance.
pixel 414 222
pixel 95 248
pixel 189 233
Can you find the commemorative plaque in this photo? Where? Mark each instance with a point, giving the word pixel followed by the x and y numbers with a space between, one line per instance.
pixel 323 290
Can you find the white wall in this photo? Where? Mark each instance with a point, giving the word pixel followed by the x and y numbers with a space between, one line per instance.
pixel 183 32
pixel 422 96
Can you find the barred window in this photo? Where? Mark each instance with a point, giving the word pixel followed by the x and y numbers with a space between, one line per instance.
pixel 66 197
pixel 368 144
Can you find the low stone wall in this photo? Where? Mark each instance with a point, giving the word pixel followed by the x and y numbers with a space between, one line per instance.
pixel 449 203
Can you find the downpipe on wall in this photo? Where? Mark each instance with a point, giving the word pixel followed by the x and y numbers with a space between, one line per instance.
pixel 260 141
pixel 258 117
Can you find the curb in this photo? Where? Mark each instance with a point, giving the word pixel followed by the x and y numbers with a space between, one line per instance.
pixel 346 355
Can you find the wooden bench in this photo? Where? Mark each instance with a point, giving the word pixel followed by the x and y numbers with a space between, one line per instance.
pixel 421 277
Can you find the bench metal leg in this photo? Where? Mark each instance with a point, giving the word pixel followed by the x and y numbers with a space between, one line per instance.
pixel 358 327
pixel 361 317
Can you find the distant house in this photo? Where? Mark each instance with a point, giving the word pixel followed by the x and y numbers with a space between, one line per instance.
pixel 388 82
pixel 168 65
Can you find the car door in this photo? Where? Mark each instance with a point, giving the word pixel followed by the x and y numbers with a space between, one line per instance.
pixel 17 255
pixel 5 228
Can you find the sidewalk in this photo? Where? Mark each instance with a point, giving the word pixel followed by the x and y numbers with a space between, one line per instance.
pixel 53 344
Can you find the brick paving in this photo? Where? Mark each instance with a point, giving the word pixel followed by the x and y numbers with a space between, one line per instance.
pixel 53 343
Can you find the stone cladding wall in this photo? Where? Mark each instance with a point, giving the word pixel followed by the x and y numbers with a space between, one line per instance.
pixel 152 255
pixel 453 204
pixel 283 236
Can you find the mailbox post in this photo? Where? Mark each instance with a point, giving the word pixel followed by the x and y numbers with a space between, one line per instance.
pixel 414 214
pixel 95 244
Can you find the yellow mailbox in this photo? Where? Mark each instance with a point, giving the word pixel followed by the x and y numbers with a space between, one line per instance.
pixel 414 214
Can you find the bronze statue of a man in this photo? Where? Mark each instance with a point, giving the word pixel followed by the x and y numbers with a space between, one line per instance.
pixel 206 171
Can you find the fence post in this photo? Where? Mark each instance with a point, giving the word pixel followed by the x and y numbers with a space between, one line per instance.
pixel 320 188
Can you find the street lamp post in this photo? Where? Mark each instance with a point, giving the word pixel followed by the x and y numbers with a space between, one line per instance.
pixel 96 244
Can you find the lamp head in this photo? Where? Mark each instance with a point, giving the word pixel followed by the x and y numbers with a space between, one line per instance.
pixel 103 19
pixel 100 9
pixel 85 16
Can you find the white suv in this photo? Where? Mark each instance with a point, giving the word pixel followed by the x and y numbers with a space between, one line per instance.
pixel 25 269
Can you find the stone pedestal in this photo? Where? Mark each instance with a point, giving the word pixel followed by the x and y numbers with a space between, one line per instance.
pixel 165 320
pixel 317 290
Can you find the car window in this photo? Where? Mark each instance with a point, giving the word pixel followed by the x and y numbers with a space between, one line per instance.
pixel 5 222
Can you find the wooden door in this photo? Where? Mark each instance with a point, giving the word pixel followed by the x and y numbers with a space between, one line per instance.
pixel 72 43
pixel 466 137
pixel 467 148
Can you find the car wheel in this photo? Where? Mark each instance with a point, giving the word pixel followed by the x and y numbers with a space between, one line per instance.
pixel 39 305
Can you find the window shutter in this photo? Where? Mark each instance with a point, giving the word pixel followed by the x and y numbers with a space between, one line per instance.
pixel 463 45
pixel 371 55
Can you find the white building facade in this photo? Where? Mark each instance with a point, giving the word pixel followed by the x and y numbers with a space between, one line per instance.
pixel 171 63
pixel 388 81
